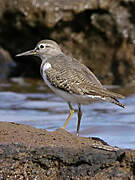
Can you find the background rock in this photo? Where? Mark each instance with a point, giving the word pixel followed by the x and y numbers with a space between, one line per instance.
pixel 100 33
pixel 30 153
pixel 7 65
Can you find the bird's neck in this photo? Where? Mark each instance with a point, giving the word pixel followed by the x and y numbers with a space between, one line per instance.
pixel 47 56
pixel 53 52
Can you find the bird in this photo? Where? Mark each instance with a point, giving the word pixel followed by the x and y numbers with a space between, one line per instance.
pixel 70 79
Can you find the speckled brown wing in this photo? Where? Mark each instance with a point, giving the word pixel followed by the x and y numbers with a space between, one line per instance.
pixel 73 77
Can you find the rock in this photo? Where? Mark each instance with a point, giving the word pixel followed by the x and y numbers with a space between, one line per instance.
pixel 97 32
pixel 6 64
pixel 30 153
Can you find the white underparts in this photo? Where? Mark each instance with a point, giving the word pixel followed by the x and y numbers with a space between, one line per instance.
pixel 46 66
pixel 96 97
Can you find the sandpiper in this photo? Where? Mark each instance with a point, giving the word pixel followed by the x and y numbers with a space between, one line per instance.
pixel 70 79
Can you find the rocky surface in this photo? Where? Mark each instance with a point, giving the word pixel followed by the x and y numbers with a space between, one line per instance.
pixel 101 33
pixel 30 153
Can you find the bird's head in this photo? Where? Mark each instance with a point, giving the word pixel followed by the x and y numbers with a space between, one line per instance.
pixel 43 49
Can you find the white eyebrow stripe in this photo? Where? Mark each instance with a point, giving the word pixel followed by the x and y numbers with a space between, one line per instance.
pixel 49 45
pixel 45 45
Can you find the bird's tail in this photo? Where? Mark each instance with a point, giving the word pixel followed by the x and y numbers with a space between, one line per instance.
pixel 115 101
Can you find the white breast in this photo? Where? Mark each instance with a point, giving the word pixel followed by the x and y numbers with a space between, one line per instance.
pixel 46 66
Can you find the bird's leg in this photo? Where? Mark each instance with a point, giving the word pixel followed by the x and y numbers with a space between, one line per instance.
pixel 79 119
pixel 69 116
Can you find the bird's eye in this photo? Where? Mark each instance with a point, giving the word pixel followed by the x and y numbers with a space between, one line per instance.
pixel 42 46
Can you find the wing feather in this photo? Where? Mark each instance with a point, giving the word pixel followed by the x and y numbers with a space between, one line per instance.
pixel 73 77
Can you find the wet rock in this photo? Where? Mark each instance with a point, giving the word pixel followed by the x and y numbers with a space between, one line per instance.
pixel 97 32
pixel 6 64
pixel 30 153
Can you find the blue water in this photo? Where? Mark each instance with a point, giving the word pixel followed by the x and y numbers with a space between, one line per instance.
pixel 109 122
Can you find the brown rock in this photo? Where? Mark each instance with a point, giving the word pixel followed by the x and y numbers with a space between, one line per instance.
pixel 96 32
pixel 30 153
pixel 6 64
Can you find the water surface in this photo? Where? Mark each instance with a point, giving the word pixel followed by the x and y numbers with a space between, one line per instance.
pixel 31 103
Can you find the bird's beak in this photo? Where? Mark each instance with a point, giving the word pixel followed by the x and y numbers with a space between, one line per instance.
pixel 27 53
